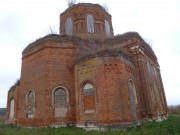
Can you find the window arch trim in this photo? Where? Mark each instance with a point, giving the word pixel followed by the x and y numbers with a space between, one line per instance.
pixel 11 112
pixel 69 26
pixel 134 88
pixel 90 23
pixel 107 28
pixel 82 88
pixel 67 96
pixel 87 108
pixel 27 95
pixel 133 105
pixel 27 104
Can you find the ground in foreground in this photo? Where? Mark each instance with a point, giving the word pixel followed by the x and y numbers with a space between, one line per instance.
pixel 171 126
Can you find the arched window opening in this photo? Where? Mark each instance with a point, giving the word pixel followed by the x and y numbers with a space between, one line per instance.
pixel 148 66
pixel 69 26
pixel 88 98
pixel 90 24
pixel 152 68
pixel 107 27
pixel 60 102
pixel 88 89
pixel 60 98
pixel 11 114
pixel 133 98
pixel 155 71
pixel 31 104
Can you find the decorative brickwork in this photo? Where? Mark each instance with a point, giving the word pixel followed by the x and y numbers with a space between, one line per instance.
pixel 88 21
pixel 86 76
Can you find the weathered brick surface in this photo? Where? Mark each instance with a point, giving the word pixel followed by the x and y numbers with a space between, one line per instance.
pixel 78 13
pixel 42 73
pixel 117 68
pixel 12 95
pixel 109 78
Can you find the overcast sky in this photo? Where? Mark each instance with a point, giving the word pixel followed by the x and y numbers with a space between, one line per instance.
pixel 157 21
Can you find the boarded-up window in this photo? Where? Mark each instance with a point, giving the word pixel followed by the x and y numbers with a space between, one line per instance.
pixel 69 26
pixel 31 103
pixel 89 100
pixel 88 89
pixel 107 27
pixel 60 98
pixel 133 100
pixel 90 24
pixel 11 114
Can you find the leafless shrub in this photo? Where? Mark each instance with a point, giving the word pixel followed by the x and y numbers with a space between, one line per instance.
pixel 106 8
pixel 17 83
pixel 52 30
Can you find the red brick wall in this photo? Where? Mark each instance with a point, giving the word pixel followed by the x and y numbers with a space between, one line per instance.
pixel 42 72
pixel 48 64
pixel 110 80
pixel 52 65
pixel 145 78
pixel 78 13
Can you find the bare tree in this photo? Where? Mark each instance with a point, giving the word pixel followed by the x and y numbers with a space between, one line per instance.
pixel 106 8
pixel 52 30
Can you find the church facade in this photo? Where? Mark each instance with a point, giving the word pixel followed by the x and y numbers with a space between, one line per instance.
pixel 87 76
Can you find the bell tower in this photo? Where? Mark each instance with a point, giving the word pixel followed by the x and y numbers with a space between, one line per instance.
pixel 86 20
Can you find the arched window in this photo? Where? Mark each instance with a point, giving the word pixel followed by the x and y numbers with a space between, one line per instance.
pixel 60 98
pixel 148 66
pixel 60 102
pixel 88 89
pixel 152 69
pixel 88 98
pixel 11 114
pixel 107 27
pixel 69 26
pixel 133 99
pixel 90 24
pixel 31 104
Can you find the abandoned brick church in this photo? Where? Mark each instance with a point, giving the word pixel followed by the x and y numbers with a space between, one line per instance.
pixel 86 75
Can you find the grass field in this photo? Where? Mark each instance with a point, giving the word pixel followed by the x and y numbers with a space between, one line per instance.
pixel 2 119
pixel 171 126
